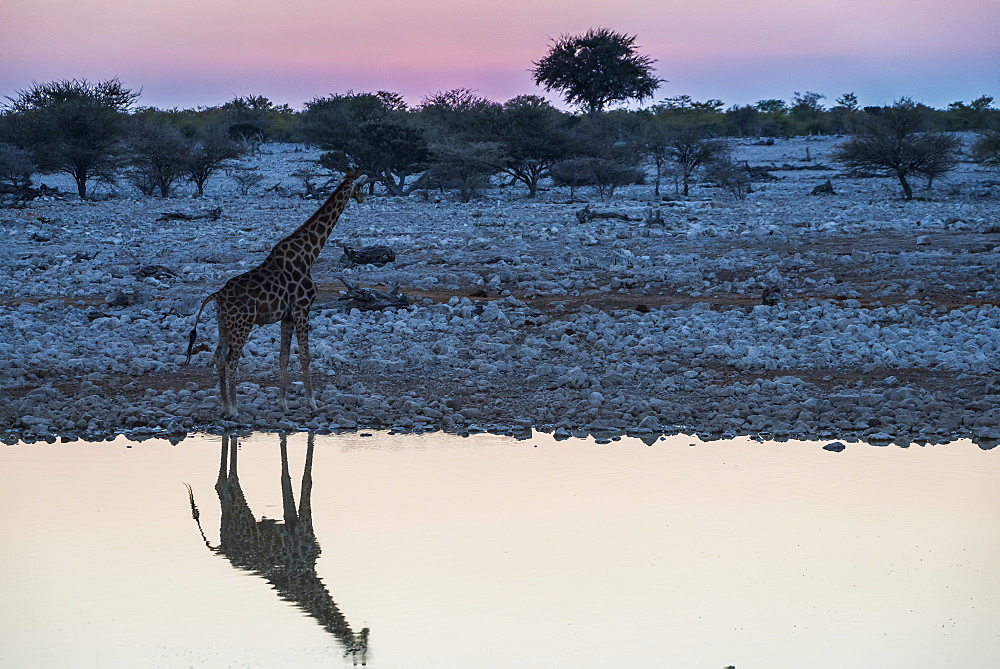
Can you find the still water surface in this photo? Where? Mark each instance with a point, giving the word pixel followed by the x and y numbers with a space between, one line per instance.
pixel 493 552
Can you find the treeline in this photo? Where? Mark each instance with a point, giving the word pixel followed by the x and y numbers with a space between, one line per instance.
pixel 804 114
pixel 454 140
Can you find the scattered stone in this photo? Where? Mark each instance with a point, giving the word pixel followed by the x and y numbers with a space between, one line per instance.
pixel 771 296
pixel 825 188
pixel 370 255
pixel 618 326
pixel 120 298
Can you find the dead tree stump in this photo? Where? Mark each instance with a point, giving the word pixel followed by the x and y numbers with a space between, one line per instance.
pixel 369 299
pixel 209 214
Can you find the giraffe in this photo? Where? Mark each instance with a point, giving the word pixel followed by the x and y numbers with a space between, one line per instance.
pixel 283 553
pixel 279 289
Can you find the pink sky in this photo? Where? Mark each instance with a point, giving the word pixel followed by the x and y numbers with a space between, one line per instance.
pixel 186 53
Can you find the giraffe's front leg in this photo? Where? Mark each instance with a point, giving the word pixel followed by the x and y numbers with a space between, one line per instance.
pixel 287 326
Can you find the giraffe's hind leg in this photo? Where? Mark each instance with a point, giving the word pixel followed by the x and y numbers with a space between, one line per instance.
pixel 221 355
pixel 227 357
pixel 302 334
pixel 224 388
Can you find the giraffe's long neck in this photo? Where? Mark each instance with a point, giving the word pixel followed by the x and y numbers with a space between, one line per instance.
pixel 303 246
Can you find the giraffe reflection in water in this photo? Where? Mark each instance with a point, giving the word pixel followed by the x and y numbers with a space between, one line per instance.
pixel 284 553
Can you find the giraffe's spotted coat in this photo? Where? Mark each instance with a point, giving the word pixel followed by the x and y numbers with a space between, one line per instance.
pixel 279 289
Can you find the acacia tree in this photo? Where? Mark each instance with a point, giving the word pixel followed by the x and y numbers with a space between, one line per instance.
pixel 374 132
pixel 250 119
pixel 773 114
pixel 388 152
pixel 465 166
pixel 601 156
pixel 807 112
pixel 334 122
pixel 976 115
pixel 532 135
pixel 894 141
pixel 459 126
pixel 743 119
pixel 459 111
pixel 842 114
pixel 74 127
pixel 596 69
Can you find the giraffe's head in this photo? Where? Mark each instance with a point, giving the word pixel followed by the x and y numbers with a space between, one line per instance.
pixel 357 188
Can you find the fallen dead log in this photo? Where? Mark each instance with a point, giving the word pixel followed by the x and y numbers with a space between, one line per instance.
pixel 586 215
pixel 209 214
pixel 155 271
pixel 369 299
pixel 370 255
pixel 786 167
pixel 24 193
pixel 759 172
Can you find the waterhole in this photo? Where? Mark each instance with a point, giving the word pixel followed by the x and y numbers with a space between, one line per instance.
pixel 487 551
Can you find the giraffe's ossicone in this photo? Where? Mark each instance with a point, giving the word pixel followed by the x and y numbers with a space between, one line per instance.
pixel 279 289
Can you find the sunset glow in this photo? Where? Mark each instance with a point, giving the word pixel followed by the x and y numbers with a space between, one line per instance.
pixel 186 53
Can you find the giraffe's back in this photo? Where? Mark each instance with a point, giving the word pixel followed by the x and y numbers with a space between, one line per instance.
pixel 266 294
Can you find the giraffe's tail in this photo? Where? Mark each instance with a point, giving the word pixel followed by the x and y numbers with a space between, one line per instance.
pixel 194 330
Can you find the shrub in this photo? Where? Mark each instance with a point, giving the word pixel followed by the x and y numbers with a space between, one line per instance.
pixel 687 146
pixel 894 141
pixel 986 149
pixel 465 166
pixel 729 175
pixel 604 174
pixel 16 166
pixel 158 157
pixel 246 178
pixel 211 151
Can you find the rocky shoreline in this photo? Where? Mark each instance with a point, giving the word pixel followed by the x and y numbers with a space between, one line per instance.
pixel 848 316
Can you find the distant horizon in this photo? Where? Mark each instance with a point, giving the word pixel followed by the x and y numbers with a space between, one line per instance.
pixel 829 100
pixel 187 54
